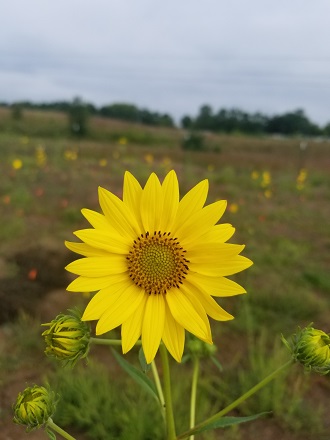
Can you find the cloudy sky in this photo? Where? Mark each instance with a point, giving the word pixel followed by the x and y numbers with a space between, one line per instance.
pixel 169 56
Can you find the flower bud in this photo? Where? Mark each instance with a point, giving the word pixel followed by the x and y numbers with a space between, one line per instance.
pixel 34 406
pixel 200 349
pixel 67 338
pixel 311 347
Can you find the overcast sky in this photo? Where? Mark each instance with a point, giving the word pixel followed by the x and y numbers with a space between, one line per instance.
pixel 169 56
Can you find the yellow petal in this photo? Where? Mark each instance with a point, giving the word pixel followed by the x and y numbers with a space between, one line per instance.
pixel 106 240
pixel 131 329
pixel 185 313
pixel 98 266
pixel 118 214
pixel 218 234
pixel 87 284
pixel 215 286
pixel 193 201
pixel 170 189
pixel 153 325
pixel 151 204
pixel 85 249
pixel 211 307
pixel 104 299
pixel 224 268
pixel 173 336
pixel 200 222
pixel 132 194
pixel 122 305
pixel 96 219
pixel 212 253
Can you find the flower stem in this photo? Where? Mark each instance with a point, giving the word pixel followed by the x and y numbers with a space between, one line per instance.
pixel 56 428
pixel 236 402
pixel 159 388
pixel 171 435
pixel 194 394
pixel 104 341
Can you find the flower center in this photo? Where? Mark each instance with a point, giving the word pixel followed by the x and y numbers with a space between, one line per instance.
pixel 157 262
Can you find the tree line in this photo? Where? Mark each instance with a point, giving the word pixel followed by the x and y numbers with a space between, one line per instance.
pixel 122 111
pixel 221 121
pixel 238 121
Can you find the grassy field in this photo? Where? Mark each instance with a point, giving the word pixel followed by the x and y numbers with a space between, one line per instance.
pixel 279 202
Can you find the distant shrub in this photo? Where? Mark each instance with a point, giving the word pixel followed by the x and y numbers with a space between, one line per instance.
pixel 193 141
pixel 17 111
pixel 78 118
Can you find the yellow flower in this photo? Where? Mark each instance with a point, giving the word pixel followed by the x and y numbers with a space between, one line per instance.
pixel 268 194
pixel 266 179
pixel 41 156
pixel 301 179
pixel 17 164
pixel 103 162
pixel 156 262
pixel 149 158
pixel 254 175
pixel 70 155
pixel 233 208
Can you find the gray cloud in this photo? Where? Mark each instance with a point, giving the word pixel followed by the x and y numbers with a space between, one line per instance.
pixel 169 56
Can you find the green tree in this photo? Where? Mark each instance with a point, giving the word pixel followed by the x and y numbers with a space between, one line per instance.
pixel 17 111
pixel 78 117
pixel 205 120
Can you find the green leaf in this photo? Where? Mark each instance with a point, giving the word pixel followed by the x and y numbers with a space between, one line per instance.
pixel 145 367
pixel 224 422
pixel 51 434
pixel 216 363
pixel 137 375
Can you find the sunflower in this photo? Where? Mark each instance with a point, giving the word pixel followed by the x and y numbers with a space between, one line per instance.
pixel 156 262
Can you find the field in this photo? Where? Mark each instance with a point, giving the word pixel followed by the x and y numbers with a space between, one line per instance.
pixel 278 193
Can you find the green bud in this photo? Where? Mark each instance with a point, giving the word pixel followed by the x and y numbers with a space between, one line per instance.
pixel 34 407
pixel 200 349
pixel 311 347
pixel 67 338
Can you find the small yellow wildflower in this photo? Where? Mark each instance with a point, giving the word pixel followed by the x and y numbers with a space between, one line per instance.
pixel 254 175
pixel 71 155
pixel 266 179
pixel 17 164
pixel 103 162
pixel 149 158
pixel 233 208
pixel 268 194
pixel 301 179
pixel 40 155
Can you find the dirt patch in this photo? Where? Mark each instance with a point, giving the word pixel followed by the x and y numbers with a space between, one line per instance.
pixel 34 274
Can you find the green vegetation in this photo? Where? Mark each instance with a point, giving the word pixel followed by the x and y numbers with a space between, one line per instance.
pixel 47 176
pixel 238 121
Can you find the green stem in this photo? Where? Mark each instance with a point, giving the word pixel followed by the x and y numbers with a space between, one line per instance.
pixel 56 428
pixel 158 387
pixel 193 395
pixel 236 402
pixel 104 341
pixel 170 425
